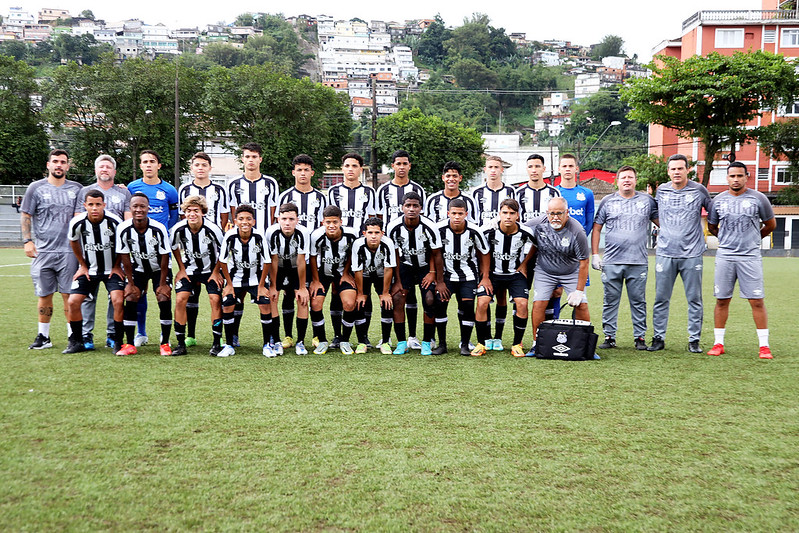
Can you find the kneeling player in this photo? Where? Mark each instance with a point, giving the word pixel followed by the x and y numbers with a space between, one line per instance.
pixel 330 252
pixel 462 244
pixel 244 263
pixel 374 259
pixel 512 250
pixel 143 244
pixel 93 240
pixel 289 244
pixel 199 241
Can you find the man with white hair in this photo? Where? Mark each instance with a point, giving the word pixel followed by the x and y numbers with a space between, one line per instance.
pixel 117 202
pixel 562 258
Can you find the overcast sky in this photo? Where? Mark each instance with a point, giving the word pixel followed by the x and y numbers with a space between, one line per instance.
pixel 642 25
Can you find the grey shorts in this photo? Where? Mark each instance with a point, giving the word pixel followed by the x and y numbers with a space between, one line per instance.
pixel 748 273
pixel 544 284
pixel 52 272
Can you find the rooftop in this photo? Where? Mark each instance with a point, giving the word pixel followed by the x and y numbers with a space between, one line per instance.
pixel 731 16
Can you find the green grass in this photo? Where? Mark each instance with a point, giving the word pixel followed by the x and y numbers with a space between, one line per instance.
pixel 637 441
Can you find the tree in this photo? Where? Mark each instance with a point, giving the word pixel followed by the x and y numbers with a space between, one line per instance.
pixel 121 109
pixel 781 140
pixel 245 19
pixel 431 42
pixel 431 142
pixel 23 141
pixel 650 170
pixel 87 14
pixel 285 115
pixel 712 97
pixel 83 49
pixel 611 45
pixel 471 74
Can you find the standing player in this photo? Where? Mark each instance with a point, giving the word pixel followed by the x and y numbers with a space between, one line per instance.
pixel 389 207
pixel 463 245
pixel 244 262
pixel 163 208
pixel 420 264
pixel 741 218
pixel 510 245
pixel 93 236
pixel 373 261
pixel 199 242
pixel 253 188
pixel 143 245
pixel 534 195
pixel 681 243
pixel 310 202
pixel 289 243
pixel 438 204
pixel 117 202
pixel 48 206
pixel 626 216
pixel 487 200
pixel 216 197
pixel 330 258
pixel 357 202
pixel 580 199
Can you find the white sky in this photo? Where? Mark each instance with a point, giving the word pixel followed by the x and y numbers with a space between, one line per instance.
pixel 641 24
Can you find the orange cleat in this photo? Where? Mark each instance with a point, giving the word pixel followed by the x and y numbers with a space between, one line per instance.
pixel 717 349
pixel 166 349
pixel 127 349
pixel 765 353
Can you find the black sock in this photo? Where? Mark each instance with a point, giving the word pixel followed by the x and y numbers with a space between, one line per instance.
pixel 386 320
pixel 288 316
pixel 180 333
pixel 165 315
pixel 238 312
pixel 361 327
pixel 192 310
pixel 553 309
pixel 318 325
pixel 467 320
pixel 347 323
pixel 266 326
pixel 302 327
pixel 412 312
pixel 129 322
pixel 399 331
pixel 216 329
pixel 502 314
pixel 119 333
pixel 76 331
pixel 483 331
pixel 336 311
pixel 275 327
pixel 428 332
pixel 519 326
pixel 367 317
pixel 441 322
pixel 227 320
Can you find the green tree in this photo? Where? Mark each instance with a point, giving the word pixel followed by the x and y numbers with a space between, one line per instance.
pixel 472 74
pixel 245 19
pixel 781 140
pixel 223 54
pixel 23 141
pixel 431 142
pixel 87 14
pixel 650 169
pixel 121 109
pixel 83 49
pixel 431 43
pixel 611 45
pixel 472 109
pixel 712 97
pixel 285 115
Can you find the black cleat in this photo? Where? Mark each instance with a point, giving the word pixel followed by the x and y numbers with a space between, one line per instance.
pixel 657 344
pixel 180 349
pixel 335 343
pixel 465 350
pixel 441 349
pixel 40 343
pixel 215 349
pixel 640 344
pixel 75 347
pixel 693 347
pixel 609 343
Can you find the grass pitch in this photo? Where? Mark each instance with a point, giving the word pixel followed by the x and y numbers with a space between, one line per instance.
pixel 637 441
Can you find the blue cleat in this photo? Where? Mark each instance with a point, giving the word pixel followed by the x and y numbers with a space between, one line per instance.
pixel 402 348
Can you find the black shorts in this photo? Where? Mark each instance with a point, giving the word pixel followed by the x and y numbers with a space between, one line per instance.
pixel 411 277
pixel 515 284
pixel 372 284
pixel 462 290
pixel 141 280
pixel 240 292
pixel 195 282
pixel 336 283
pixel 86 286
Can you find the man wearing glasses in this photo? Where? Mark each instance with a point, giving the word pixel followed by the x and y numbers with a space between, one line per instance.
pixel 562 254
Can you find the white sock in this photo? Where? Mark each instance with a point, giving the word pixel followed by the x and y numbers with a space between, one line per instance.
pixel 44 328
pixel 718 334
pixel 762 337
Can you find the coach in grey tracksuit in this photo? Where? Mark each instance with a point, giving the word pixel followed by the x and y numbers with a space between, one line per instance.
pixel 681 243
pixel 626 217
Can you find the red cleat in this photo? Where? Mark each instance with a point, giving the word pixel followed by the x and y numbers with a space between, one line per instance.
pixel 166 349
pixel 717 349
pixel 127 349
pixel 765 353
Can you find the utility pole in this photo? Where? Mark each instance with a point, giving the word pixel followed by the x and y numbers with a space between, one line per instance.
pixel 177 129
pixel 374 133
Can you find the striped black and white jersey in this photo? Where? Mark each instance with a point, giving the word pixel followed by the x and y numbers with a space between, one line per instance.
pixel 356 204
pixel 245 260
pixel 309 204
pixel 98 241
pixel 286 248
pixel 460 250
pixel 533 202
pixel 389 199
pixel 215 195
pixel 331 256
pixel 145 248
pixel 414 244
pixel 199 251
pixel 508 250
pixel 487 200
pixel 438 204
pixel 260 194
pixel 373 263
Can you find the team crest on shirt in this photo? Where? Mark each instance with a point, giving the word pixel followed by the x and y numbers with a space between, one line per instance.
pixel 207 240
pixel 581 196
pixel 444 241
pixel 108 232
pixel 256 249
pixel 47 196
pixel 152 242
pixel 565 242
pixel 640 205
pixel 71 195
pixel 161 195
pixel 690 198
pixel 746 204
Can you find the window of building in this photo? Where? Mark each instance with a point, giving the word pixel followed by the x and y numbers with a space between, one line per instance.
pixel 790 110
pixel 790 38
pixel 763 174
pixel 729 38
pixel 783 176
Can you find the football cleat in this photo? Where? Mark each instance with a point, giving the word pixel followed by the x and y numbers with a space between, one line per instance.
pixel 226 351
pixel 426 348
pixel 235 342
pixel 609 343
pixel 441 349
pixel 479 350
pixel 215 349
pixel 640 343
pixel 321 348
pixel 335 343
pixel 497 345
pixel 128 349
pixel 165 349
pixel 300 349
pixel 346 348
pixel 40 343
pixel 765 353
pixel 657 344
pixel 75 347
pixel 517 351
pixel 268 351
pixel 693 347
pixel 277 348
pixel 717 349
pixel 414 344
pixel 401 349
pixel 109 343
pixel 361 348
pixel 88 342
pixel 191 341
pixel 180 349
pixel 315 342
pixel 140 340
pixel 288 342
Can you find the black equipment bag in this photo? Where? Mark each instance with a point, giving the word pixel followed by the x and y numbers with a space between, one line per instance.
pixel 570 340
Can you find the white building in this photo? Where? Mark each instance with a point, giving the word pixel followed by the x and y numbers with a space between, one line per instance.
pixel 18 16
pixel 586 85
pixel 507 146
